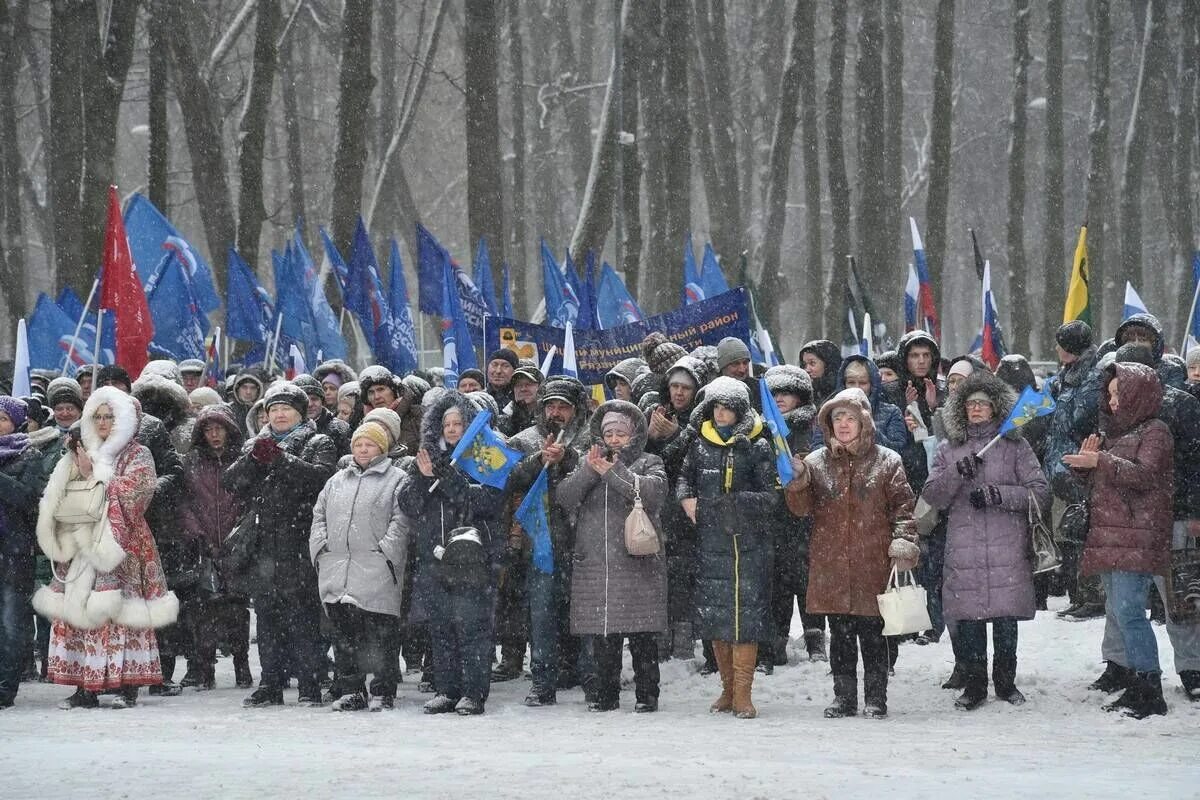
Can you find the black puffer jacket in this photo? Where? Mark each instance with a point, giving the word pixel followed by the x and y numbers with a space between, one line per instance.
pixel 737 490
pixel 162 516
pixel 337 430
pixel 21 485
pixel 1076 391
pixel 457 501
pixel 283 493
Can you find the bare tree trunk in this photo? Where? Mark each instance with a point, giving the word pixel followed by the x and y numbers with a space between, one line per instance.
pixel 810 139
pixel 1054 264
pixel 677 160
pixel 519 235
pixel 1185 136
pixel 596 211
pixel 712 69
pixel 893 136
pixel 575 104
pixel 355 84
pixel 291 124
pixel 632 42
pixel 203 139
pixel 653 149
pixel 1017 272
pixel 485 207
pixel 547 211
pixel 870 118
pixel 12 245
pixel 64 150
pixel 839 185
pixel 938 198
pixel 1099 167
pixel 772 284
pixel 159 54
pixel 1137 140
pixel 385 32
pixel 252 129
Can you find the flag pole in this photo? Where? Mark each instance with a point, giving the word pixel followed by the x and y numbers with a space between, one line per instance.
pixel 274 344
pixel 988 446
pixel 96 356
pixel 1187 329
pixel 79 325
pixel 225 352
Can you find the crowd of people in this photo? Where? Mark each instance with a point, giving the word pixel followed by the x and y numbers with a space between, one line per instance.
pixel 141 520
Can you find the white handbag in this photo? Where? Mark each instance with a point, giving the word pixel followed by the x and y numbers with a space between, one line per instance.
pixel 641 538
pixel 903 608
pixel 82 502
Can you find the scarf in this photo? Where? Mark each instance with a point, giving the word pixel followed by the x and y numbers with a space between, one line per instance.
pixel 279 437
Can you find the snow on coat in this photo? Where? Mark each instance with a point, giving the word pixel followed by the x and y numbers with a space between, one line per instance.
pixel 988 572
pixel 1133 484
pixel 734 482
pixel 359 539
pixel 612 591
pixel 859 499
pixel 207 510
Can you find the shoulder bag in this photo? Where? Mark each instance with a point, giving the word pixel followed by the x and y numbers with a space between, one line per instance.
pixel 1043 550
pixel 641 538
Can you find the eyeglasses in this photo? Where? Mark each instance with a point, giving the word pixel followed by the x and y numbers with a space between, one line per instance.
pixel 103 418
pixel 978 404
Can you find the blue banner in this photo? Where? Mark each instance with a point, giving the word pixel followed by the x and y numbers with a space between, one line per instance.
pixel 596 352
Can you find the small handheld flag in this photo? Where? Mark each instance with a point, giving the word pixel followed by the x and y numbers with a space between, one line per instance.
pixel 1030 405
pixel 483 455
pixel 779 433
pixel 533 517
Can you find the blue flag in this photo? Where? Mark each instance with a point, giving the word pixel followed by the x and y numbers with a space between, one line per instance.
pixel 507 308
pixel 293 305
pixel 1194 330
pixel 693 286
pixel 588 320
pixel 450 363
pixel 150 233
pixel 364 294
pixel 70 303
pixel 50 331
pixel 329 340
pixel 712 279
pixel 483 455
pixel 179 324
pixel 562 301
pixel 249 310
pixel 430 257
pixel 779 433
pixel 1030 405
pixel 482 273
pixel 614 304
pixel 402 349
pixel 533 517
pixel 336 262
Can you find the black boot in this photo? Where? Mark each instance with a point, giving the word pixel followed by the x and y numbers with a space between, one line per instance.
pixel 766 659
pixel 512 663
pixel 1004 681
pixel 1114 678
pixel 875 695
pixel 814 644
pixel 1190 679
pixel 958 678
pixel 845 697
pixel 710 660
pixel 975 691
pixel 1148 697
pixel 193 677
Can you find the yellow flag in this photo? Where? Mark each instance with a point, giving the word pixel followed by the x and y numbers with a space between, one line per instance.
pixel 1078 305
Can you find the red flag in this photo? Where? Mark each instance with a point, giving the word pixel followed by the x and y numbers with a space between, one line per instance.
pixel 121 293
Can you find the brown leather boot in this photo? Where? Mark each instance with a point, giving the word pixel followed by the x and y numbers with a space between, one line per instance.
pixel 723 651
pixel 745 656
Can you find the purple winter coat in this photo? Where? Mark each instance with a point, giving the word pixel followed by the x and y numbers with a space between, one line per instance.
pixel 988 572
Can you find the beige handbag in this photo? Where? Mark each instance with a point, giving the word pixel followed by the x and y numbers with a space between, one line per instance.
pixel 641 539
pixel 82 503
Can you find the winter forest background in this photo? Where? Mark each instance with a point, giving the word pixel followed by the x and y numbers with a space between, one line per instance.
pixel 794 130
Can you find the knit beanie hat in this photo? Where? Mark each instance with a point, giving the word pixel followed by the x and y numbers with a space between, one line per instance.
pixel 1074 336
pixel 731 350
pixel 963 368
pixel 616 421
pixel 659 353
pixel 64 390
pixel 1193 357
pixel 287 393
pixel 375 432
pixel 311 386
pixel 504 354
pixel 112 373
pixel 15 409
pixel 387 418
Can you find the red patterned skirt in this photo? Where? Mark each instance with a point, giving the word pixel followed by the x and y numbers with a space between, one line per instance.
pixel 103 658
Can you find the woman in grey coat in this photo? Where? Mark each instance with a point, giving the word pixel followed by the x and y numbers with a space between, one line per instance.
pixel 989 576
pixel 359 545
pixel 615 595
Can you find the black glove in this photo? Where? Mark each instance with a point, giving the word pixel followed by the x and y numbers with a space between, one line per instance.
pixel 983 496
pixel 966 466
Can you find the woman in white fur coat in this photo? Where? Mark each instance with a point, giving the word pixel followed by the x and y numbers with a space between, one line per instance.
pixel 108 593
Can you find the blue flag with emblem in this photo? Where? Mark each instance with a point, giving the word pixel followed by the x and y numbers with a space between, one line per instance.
pixel 534 519
pixel 1030 405
pixel 150 234
pixel 483 455
pixel 779 433
pixel 614 304
pixel 482 273
pixel 693 285
pixel 402 349
pixel 179 324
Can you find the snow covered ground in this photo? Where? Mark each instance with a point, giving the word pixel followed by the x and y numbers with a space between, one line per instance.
pixel 204 745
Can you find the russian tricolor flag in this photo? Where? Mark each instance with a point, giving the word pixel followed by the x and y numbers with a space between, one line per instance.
pixel 912 294
pixel 928 313
pixel 991 350
pixel 1133 302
